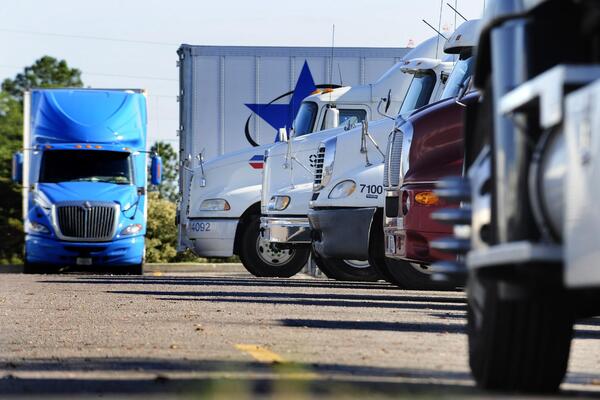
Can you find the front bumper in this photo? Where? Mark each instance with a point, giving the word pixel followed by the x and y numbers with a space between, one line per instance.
pixel 43 250
pixel 292 230
pixel 212 237
pixel 414 246
pixel 342 233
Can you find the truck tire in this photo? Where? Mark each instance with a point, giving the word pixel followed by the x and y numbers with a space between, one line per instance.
pixel 262 260
pixel 519 344
pixel 412 276
pixel 136 269
pixel 347 270
pixel 35 268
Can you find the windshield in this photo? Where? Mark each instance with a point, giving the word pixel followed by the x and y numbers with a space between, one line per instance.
pixel 461 72
pixel 305 119
pixel 419 92
pixel 86 166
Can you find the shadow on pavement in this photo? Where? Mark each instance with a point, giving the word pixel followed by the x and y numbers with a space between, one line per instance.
pixel 225 281
pixel 228 379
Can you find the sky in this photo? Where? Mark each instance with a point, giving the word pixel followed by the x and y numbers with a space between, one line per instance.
pixel 133 43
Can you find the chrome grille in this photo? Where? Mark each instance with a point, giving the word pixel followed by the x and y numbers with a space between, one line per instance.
pixel 87 221
pixel 319 168
pixel 391 169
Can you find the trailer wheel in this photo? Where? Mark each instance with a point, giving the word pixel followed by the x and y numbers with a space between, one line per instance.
pixel 347 270
pixel 261 259
pixel 517 344
pixel 411 276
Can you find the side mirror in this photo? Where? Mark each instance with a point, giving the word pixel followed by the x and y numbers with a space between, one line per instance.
pixel 388 101
pixel 283 135
pixel 463 90
pixel 332 118
pixel 17 168
pixel 156 170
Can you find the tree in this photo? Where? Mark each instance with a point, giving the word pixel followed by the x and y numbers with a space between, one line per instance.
pixel 168 188
pixel 161 231
pixel 47 72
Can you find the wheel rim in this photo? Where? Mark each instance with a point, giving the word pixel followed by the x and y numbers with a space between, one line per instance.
pixel 423 269
pixel 358 264
pixel 272 256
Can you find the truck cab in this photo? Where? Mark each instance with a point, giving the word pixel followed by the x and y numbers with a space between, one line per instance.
pixel 526 225
pixel 84 173
pixel 292 167
pixel 423 149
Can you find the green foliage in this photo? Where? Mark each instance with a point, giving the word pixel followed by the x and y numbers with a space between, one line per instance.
pixel 46 72
pixel 161 231
pixel 168 188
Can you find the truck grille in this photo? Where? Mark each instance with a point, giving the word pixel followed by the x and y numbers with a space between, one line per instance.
pixel 391 169
pixel 319 168
pixel 87 221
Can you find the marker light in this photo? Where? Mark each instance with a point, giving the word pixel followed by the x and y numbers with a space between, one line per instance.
pixel 88 146
pixel 278 203
pixel 427 198
pixel 78 146
pixel 131 230
pixel 215 205
pixel 342 189
pixel 48 146
pixel 98 147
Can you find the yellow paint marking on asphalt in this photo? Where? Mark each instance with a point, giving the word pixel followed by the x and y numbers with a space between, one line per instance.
pixel 289 371
pixel 158 273
pixel 260 353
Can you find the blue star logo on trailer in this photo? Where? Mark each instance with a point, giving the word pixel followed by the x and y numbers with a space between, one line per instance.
pixel 282 115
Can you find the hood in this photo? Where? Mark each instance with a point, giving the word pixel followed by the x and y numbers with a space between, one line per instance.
pixel 234 157
pixel 124 195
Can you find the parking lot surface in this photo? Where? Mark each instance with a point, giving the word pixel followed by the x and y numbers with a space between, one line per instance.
pixel 229 335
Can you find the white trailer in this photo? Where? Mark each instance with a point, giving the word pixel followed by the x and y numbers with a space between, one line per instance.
pixel 216 83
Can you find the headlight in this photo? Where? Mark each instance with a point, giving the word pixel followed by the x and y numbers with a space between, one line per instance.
pixel 131 230
pixel 215 205
pixel 342 189
pixel 34 227
pixel 41 200
pixel 278 203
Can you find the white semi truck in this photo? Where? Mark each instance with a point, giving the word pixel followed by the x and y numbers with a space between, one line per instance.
pixel 348 196
pixel 292 167
pixel 220 171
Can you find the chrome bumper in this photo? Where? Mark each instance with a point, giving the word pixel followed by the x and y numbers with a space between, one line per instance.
pixel 391 230
pixel 293 230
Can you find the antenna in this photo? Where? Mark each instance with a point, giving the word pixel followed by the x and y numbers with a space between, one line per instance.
pixel 436 31
pixel 439 28
pixel 332 47
pixel 456 13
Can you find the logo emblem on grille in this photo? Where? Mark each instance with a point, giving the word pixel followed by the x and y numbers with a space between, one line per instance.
pixel 87 206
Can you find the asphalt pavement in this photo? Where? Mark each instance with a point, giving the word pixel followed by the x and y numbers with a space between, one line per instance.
pixel 224 334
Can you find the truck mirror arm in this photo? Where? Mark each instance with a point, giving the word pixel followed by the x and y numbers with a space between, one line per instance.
pixel 382 113
pixel 363 143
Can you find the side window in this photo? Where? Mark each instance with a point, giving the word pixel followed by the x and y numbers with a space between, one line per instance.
pixel 346 114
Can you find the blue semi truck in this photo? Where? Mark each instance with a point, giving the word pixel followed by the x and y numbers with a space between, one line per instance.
pixel 84 176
